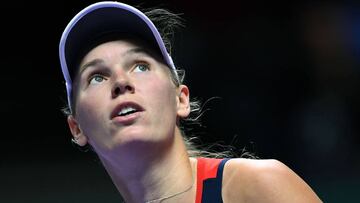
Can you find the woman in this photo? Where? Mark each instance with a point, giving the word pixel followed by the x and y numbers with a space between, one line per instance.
pixel 126 100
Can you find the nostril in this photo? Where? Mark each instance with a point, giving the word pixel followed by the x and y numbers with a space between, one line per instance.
pixel 119 89
pixel 129 88
pixel 116 91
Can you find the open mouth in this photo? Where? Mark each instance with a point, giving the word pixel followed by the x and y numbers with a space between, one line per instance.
pixel 126 109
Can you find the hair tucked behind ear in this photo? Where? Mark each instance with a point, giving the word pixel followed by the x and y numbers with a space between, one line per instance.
pixel 167 23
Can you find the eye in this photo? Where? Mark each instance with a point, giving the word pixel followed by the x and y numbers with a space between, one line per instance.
pixel 141 67
pixel 96 79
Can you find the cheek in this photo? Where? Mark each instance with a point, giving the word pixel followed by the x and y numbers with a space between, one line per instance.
pixel 85 117
pixel 88 99
pixel 88 110
pixel 163 94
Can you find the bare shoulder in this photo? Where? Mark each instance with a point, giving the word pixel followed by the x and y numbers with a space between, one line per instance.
pixel 250 180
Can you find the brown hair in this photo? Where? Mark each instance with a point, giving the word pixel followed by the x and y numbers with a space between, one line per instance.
pixel 167 23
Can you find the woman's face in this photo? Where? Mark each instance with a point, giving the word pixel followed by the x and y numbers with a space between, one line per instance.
pixel 124 95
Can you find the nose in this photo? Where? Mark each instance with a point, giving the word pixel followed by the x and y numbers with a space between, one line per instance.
pixel 122 86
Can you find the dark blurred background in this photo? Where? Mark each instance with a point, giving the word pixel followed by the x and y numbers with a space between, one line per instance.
pixel 284 75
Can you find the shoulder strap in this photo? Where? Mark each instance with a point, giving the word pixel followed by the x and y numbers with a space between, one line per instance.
pixel 209 180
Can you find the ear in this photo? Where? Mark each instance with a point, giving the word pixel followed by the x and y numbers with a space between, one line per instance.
pixel 76 132
pixel 183 101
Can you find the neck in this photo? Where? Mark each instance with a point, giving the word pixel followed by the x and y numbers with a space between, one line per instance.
pixel 152 176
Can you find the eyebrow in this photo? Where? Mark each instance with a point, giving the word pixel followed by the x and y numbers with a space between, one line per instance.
pixel 137 50
pixel 96 62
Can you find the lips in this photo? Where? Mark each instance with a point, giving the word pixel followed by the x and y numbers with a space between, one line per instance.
pixel 126 109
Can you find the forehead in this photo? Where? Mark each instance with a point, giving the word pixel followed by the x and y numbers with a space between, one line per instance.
pixel 127 41
pixel 118 47
pixel 115 49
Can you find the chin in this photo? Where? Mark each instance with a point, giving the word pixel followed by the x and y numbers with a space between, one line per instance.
pixel 133 135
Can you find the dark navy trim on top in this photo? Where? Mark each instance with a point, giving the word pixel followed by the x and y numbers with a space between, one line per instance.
pixel 212 186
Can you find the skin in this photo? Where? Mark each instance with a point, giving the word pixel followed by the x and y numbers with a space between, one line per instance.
pixel 146 158
pixel 144 154
pixel 264 181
